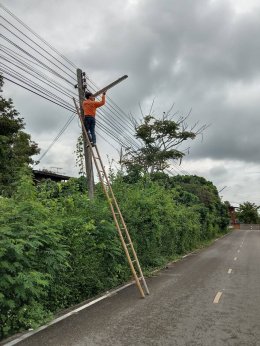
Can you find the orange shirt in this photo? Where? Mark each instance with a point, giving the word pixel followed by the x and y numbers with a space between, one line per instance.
pixel 90 106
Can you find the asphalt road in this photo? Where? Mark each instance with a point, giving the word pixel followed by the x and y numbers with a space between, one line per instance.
pixel 210 298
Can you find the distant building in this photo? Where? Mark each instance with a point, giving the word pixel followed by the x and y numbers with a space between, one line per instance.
pixel 44 174
pixel 232 215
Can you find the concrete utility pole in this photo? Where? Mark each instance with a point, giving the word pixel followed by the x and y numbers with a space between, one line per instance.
pixel 87 151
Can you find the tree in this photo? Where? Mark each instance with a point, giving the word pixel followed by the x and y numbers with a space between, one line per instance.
pixel 213 213
pixel 16 147
pixel 161 140
pixel 248 213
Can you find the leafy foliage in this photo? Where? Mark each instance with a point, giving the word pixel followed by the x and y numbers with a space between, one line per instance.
pixel 159 227
pixel 213 213
pixel 248 213
pixel 58 248
pixel 31 255
pixel 160 139
pixel 16 147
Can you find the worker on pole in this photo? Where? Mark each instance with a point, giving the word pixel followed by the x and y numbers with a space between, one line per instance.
pixel 89 106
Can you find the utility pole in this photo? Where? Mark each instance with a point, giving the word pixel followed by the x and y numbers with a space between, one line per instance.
pixel 87 151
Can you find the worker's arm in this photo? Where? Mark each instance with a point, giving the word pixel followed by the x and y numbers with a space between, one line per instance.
pixel 102 102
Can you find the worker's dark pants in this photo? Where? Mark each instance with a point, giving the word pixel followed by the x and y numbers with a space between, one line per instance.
pixel 90 123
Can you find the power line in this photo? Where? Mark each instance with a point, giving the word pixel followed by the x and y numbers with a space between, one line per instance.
pixel 38 45
pixel 57 88
pixel 106 109
pixel 99 125
pixel 129 124
pixel 120 129
pixel 38 36
pixel 37 51
pixel 71 118
pixel 18 57
pixel 39 61
pixel 10 80
pixel 181 170
pixel 36 86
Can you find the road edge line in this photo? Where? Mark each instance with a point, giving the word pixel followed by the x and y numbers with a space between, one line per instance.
pixel 63 317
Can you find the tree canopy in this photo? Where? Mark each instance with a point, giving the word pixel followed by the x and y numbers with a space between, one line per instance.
pixel 160 140
pixel 248 213
pixel 16 146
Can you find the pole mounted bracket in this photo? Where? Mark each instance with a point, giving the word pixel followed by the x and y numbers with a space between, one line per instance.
pixel 109 86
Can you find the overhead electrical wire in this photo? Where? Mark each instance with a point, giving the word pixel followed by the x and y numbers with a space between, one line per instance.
pixel 107 130
pixel 71 118
pixel 37 87
pixel 35 70
pixel 100 125
pixel 47 93
pixel 51 84
pixel 10 80
pixel 110 103
pixel 11 51
pixel 37 46
pixel 179 169
pixel 111 111
pixel 122 127
pixel 38 36
pixel 39 61
pixel 117 122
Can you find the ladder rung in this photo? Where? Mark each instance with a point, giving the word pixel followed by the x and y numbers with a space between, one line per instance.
pixel 97 158
pixel 128 244
pixel 133 261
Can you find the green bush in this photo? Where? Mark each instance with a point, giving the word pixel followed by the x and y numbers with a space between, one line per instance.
pixel 31 256
pixel 160 228
pixel 96 260
pixel 58 248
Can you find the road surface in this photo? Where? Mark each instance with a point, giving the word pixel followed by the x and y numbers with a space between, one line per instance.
pixel 211 297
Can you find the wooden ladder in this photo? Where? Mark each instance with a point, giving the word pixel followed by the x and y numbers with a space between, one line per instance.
pixel 117 215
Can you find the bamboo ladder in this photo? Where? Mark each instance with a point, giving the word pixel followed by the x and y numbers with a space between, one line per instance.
pixel 117 215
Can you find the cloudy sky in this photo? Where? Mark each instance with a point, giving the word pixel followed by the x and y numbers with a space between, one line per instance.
pixel 202 55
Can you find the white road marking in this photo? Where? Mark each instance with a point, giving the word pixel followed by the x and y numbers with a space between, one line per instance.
pixel 229 271
pixel 235 258
pixel 27 335
pixel 217 298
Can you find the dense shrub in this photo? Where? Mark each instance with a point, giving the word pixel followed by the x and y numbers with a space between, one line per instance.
pixel 32 253
pixel 160 228
pixel 58 248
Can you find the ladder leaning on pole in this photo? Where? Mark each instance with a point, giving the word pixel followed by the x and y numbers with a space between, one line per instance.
pixel 117 215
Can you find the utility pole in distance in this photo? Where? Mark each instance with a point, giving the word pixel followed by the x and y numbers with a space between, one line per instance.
pixel 87 151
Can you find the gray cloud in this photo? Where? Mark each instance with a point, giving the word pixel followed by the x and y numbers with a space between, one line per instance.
pixel 198 54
